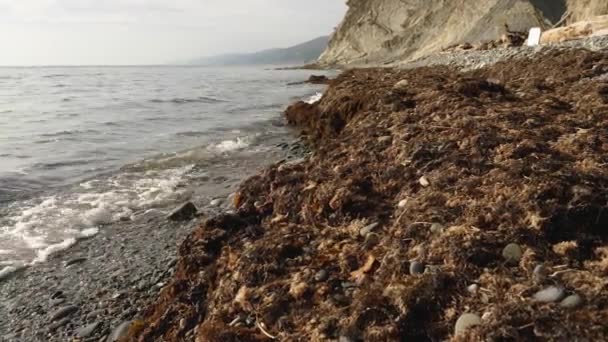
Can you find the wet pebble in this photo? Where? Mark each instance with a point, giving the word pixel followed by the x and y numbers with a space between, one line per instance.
pixel 512 253
pixel 437 228
pixel 119 332
pixel 465 322
pixel 63 312
pixel 417 268
pixel 571 302
pixel 57 301
pixel 58 324
pixel 549 294
pixel 216 202
pixel 322 275
pixel 371 240
pixel 424 181
pixel 57 294
pixel 368 229
pixel 540 273
pixel 87 330
pixel 184 212
pixel 75 261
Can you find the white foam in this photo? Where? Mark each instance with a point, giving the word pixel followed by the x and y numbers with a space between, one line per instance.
pixel 8 270
pixel 231 145
pixel 314 98
pixel 34 229
pixel 87 233
pixel 44 254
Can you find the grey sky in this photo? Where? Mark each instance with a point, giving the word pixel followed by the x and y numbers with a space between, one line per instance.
pixel 75 32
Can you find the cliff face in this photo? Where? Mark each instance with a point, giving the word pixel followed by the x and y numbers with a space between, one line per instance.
pixel 383 31
pixel 585 9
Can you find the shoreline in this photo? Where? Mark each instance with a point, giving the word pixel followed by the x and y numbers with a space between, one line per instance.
pixel 101 282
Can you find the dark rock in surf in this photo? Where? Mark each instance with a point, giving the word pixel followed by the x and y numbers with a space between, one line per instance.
pixel 185 212
pixel 63 312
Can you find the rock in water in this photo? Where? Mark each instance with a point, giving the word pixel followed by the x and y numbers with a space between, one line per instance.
pixel 465 322
pixel 63 312
pixel 119 332
pixel 549 295
pixel 87 330
pixel 185 212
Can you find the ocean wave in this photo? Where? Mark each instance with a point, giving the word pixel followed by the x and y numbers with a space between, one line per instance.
pixel 200 99
pixel 69 132
pixel 231 145
pixel 314 98
pixel 191 134
pixel 55 76
pixel 36 228
pixel 55 165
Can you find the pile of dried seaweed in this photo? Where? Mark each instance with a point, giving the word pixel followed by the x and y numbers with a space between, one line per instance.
pixel 397 225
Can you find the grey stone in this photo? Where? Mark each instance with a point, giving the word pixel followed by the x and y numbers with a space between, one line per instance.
pixel 185 212
pixel 465 322
pixel 322 275
pixel 56 325
pixel 75 261
pixel 549 294
pixel 368 229
pixel 119 332
pixel 57 301
pixel 87 330
pixel 63 312
pixel 540 273
pixel 473 288
pixel 216 202
pixel 512 253
pixel 437 228
pixel 417 268
pixel 571 302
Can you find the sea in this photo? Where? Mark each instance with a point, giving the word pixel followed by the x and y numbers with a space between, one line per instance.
pixel 85 147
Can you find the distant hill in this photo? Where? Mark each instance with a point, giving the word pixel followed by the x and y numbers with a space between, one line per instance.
pixel 298 54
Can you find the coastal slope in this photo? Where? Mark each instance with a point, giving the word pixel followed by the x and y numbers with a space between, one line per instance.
pixel 386 31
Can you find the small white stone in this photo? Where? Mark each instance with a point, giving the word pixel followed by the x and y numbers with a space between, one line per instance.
pixel 402 203
pixel 473 288
pixel 424 181
pixel 486 316
pixel 216 202
pixel 571 302
pixel 401 85
pixel 549 295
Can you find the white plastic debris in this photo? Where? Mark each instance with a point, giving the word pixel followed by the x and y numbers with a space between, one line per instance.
pixel 534 36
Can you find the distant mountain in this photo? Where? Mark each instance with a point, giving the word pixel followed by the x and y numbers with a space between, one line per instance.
pixel 298 54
